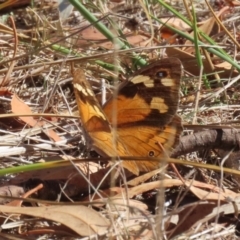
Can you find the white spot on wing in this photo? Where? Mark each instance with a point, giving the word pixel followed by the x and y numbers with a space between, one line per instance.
pixel 85 91
pixel 139 79
pixel 90 92
pixel 167 82
pixel 149 83
pixel 99 112
pixel 158 103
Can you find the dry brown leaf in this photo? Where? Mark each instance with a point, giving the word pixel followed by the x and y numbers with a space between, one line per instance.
pixel 169 35
pixel 190 214
pixel 19 107
pixel 205 213
pixel 131 192
pixel 176 23
pixel 92 37
pixel 143 178
pixel 121 204
pixel 82 220
pixel 190 63
pixel 209 27
pixel 194 187
pixel 226 192
pixel 224 66
pixel 206 195
pixel 131 212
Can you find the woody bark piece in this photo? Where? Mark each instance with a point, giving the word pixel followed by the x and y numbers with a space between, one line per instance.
pixel 226 139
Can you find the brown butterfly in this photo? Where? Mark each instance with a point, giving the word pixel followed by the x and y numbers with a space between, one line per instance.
pixel 140 120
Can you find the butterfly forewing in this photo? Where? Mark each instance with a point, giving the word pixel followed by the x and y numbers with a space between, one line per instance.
pixel 150 97
pixel 97 129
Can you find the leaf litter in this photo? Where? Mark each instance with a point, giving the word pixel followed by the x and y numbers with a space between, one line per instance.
pixel 79 198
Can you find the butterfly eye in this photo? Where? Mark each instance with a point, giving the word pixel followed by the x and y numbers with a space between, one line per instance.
pixel 161 74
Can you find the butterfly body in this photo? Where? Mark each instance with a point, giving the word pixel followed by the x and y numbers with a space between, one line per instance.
pixel 140 120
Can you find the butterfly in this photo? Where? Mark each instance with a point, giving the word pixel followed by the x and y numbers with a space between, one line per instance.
pixel 140 120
